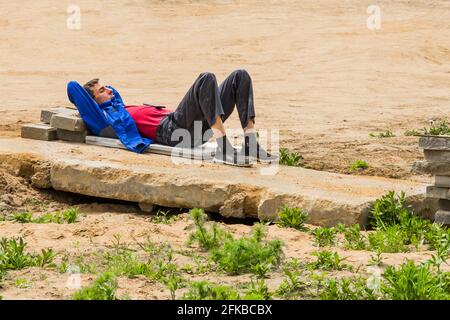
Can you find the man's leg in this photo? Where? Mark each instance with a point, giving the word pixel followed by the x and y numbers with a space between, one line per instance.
pixel 237 90
pixel 201 104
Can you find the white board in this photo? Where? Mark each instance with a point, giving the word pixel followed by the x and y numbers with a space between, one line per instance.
pixel 203 152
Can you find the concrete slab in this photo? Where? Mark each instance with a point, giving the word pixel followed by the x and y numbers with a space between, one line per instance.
pixel 442 181
pixel 437 155
pixel 433 168
pixel 442 217
pixel 38 131
pixel 437 192
pixel 234 192
pixel 434 142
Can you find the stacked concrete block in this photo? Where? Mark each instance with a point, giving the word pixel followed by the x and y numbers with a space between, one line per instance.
pixel 437 163
pixel 57 123
pixel 39 131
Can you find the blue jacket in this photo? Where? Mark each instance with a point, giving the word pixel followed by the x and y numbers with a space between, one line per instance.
pixel 111 113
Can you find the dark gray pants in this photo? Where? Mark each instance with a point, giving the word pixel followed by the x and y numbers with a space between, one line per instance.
pixel 204 101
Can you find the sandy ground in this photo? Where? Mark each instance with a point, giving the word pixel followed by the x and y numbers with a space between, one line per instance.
pixel 320 75
pixel 103 226
pixel 321 78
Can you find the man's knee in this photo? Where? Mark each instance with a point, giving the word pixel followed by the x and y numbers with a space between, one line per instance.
pixel 207 76
pixel 243 73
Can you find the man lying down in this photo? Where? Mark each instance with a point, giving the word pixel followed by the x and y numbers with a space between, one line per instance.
pixel 207 104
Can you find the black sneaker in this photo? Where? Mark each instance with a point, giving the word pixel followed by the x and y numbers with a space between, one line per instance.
pixel 233 159
pixel 252 149
pixel 227 154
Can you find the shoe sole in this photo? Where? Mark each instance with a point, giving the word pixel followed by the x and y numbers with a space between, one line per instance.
pixel 253 159
pixel 232 164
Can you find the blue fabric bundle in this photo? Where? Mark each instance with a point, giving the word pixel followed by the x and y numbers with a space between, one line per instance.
pixel 111 113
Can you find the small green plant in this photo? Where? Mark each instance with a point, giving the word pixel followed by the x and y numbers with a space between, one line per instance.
pixel 385 134
pixel 237 256
pixel 257 290
pixel 435 130
pixel 22 217
pixel 292 286
pixel 261 269
pixel 327 260
pixel 103 288
pixel 324 236
pixel 22 283
pixel 45 259
pixel 292 218
pixel 387 210
pixel 390 240
pixel 376 260
pixel 358 165
pixel 354 240
pixel 412 132
pixel 164 217
pixel 289 158
pixel 415 282
pixel 347 289
pixel 206 238
pixel 204 290
pixel 71 215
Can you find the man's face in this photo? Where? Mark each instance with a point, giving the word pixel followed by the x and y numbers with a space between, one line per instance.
pixel 102 93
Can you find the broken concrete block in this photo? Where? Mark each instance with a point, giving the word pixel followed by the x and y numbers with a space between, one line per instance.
pixel 443 217
pixel 437 192
pixel 435 168
pixel 40 131
pixel 442 181
pixel 437 155
pixel 67 123
pixel 46 114
pixel 435 142
pixel 73 136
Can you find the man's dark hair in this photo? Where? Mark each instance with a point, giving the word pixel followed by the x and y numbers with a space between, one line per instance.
pixel 89 87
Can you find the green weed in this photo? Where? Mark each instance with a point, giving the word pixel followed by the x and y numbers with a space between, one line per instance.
pixel 327 260
pixel 358 165
pixel 324 236
pixel 415 282
pixel 435 130
pixel 347 289
pixel 207 238
pixel 292 286
pixel 22 217
pixel 14 257
pixel 354 239
pixel 257 290
pixel 292 218
pixel 165 217
pixel 204 290
pixel 103 288
pixel 289 158
pixel 412 132
pixel 242 255
pixel 69 216
pixel 22 283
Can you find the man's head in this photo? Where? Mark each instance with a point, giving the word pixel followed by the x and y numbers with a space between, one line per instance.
pixel 98 92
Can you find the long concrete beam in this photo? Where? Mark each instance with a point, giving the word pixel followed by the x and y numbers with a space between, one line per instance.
pixel 233 192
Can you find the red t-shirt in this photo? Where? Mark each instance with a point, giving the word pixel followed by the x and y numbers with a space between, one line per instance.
pixel 147 119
